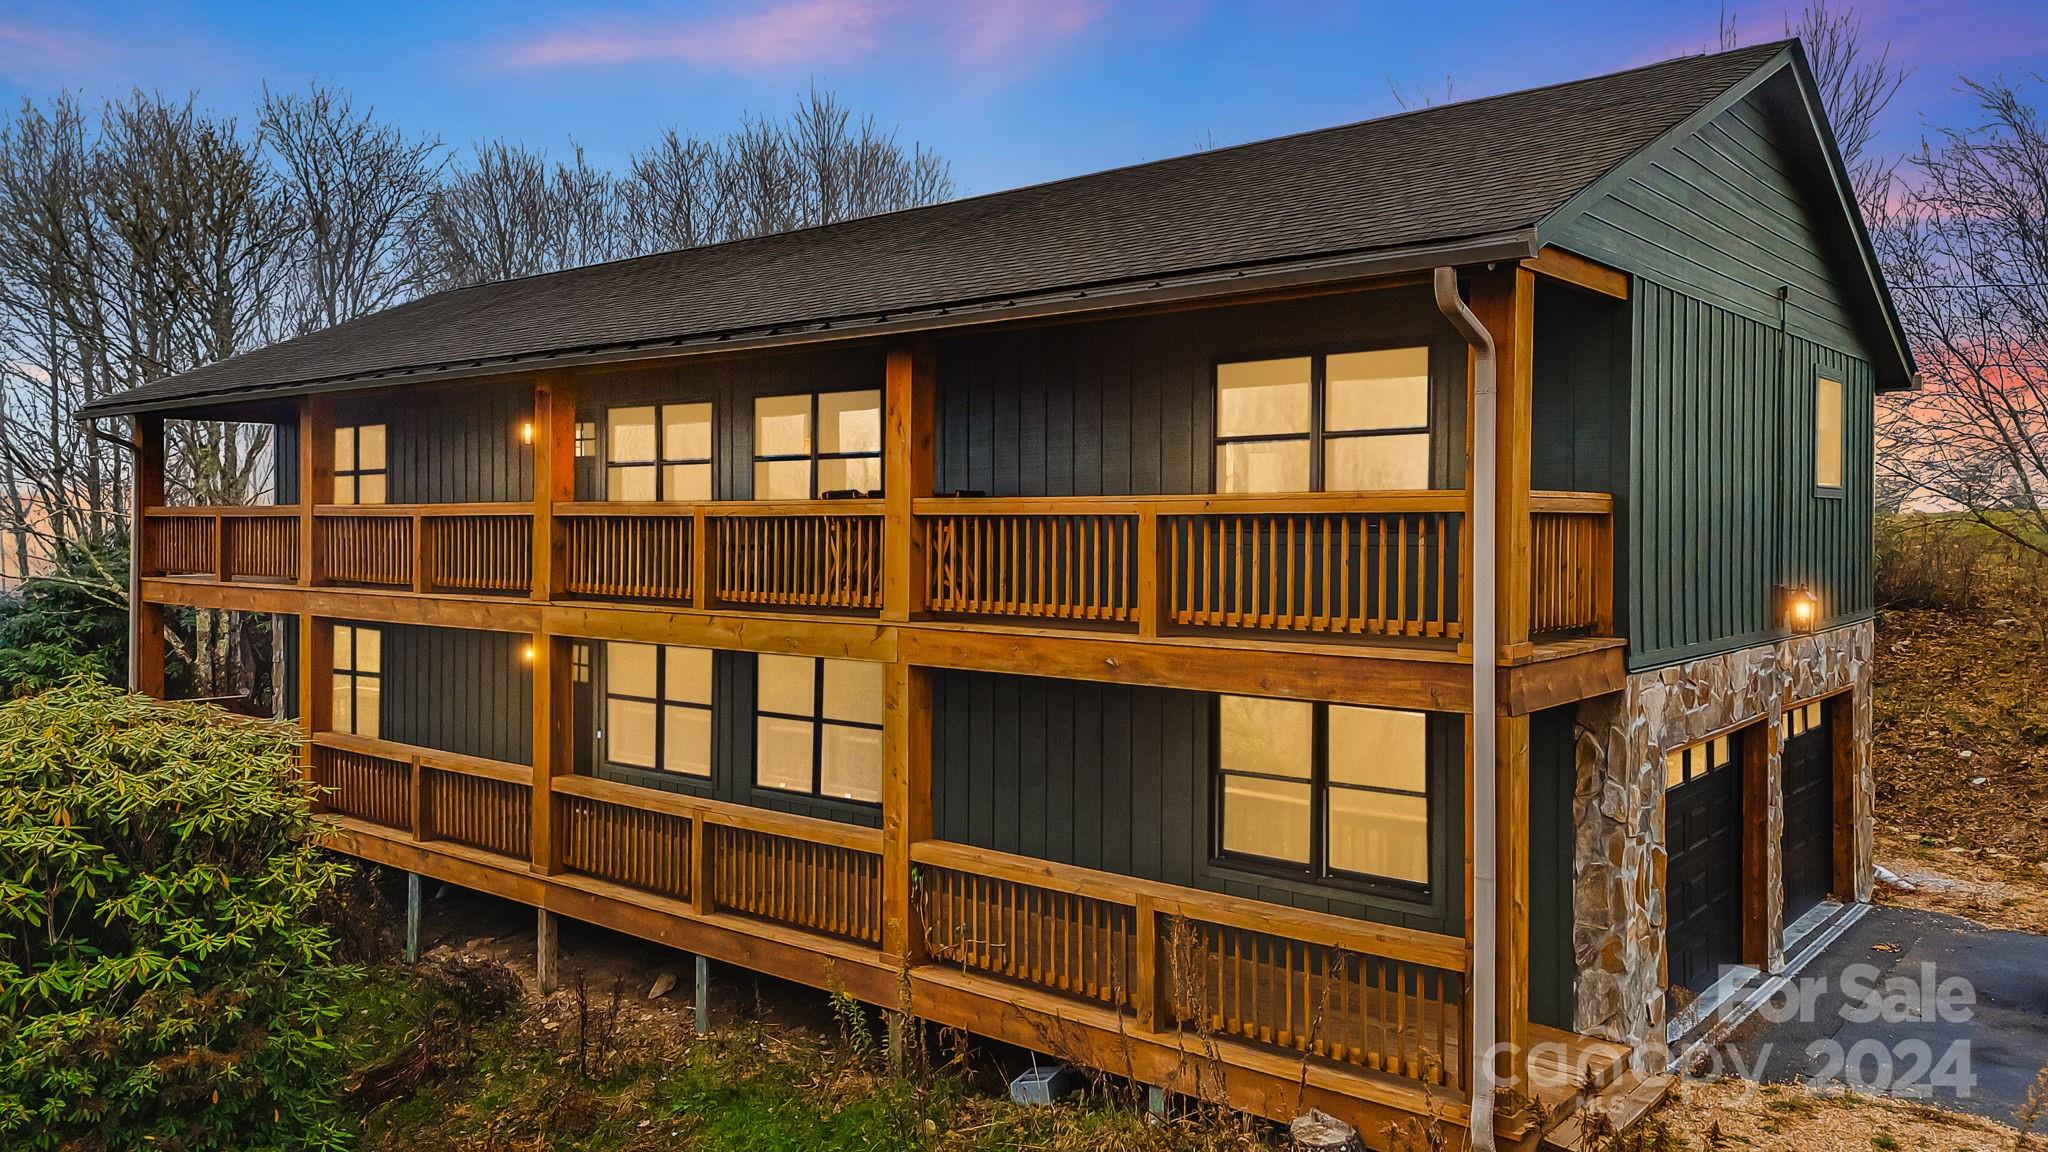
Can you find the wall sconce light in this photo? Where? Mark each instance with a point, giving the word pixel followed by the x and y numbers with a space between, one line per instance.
pixel 526 432
pixel 526 654
pixel 1802 609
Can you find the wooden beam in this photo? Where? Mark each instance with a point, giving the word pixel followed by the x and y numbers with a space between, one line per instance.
pixel 1579 272
pixel 906 804
pixel 316 479
pixel 1505 301
pixel 554 742
pixel 554 476
pixel 487 613
pixel 1759 746
pixel 1581 671
pixel 1840 711
pixel 145 617
pixel 909 447
pixel 1511 868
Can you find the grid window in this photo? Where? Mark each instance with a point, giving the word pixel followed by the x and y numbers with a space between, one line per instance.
pixel 358 680
pixel 658 452
pixel 1343 422
pixel 359 464
pixel 818 726
pixel 1829 419
pixel 814 445
pixel 586 438
pixel 657 707
pixel 1696 760
pixel 1800 720
pixel 1324 789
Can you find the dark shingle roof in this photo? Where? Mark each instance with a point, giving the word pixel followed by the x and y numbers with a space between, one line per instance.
pixel 1475 169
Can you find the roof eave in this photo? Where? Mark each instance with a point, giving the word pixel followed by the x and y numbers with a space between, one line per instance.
pixel 1339 268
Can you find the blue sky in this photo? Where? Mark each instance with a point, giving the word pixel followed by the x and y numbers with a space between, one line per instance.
pixel 1012 91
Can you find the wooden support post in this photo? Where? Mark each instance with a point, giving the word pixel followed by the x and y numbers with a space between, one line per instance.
pixel 316 690
pixel 316 479
pixel 1155 1100
pixel 906 804
pixel 1511 871
pixel 1151 596
pixel 554 742
pixel 146 621
pixel 554 476
pixel 412 917
pixel 703 1004
pixel 909 443
pixel 1759 747
pixel 221 574
pixel 544 930
pixel 702 854
pixel 1154 991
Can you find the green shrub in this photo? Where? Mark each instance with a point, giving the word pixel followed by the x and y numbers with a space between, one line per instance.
pixel 161 983
pixel 70 621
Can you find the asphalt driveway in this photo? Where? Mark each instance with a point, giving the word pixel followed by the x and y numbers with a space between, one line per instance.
pixel 1912 1003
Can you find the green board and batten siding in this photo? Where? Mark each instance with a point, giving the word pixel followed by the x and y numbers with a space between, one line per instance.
pixel 1720 508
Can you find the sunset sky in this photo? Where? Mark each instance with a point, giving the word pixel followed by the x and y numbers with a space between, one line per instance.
pixel 1012 91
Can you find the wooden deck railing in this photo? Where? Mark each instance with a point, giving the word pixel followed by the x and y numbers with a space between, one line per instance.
pixel 483 804
pixel 425 547
pixel 1031 559
pixel 813 554
pixel 1368 995
pixel 1571 584
pixel 638 551
pixel 364 785
pixel 254 542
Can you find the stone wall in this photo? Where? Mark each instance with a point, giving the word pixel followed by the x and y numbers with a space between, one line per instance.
pixel 1618 869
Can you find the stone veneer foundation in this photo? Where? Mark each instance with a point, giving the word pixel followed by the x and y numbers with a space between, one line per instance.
pixel 1618 808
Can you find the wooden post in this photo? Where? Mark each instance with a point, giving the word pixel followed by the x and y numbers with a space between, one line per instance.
pixel 906 804
pixel 1759 746
pixel 909 415
pixel 1511 872
pixel 700 559
pixel 316 479
pixel 1154 992
pixel 701 858
pixel 554 476
pixel 544 931
pixel 554 747
pixel 1151 597
pixel 146 620
pixel 703 1004
pixel 316 690
pixel 412 917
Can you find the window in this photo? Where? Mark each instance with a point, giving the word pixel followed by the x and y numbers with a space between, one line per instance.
pixel 586 438
pixel 818 726
pixel 1801 720
pixel 358 680
pixel 658 453
pixel 1344 422
pixel 1696 760
pixel 1828 428
pixel 845 455
pixel 1324 789
pixel 657 707
pixel 359 474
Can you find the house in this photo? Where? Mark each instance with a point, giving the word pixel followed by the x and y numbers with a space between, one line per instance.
pixel 1314 609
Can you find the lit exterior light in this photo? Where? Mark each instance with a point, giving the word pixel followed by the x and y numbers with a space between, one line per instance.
pixel 1802 609
pixel 526 654
pixel 526 432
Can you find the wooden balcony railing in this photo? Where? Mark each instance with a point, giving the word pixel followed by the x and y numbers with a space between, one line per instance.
pixel 256 542
pixel 818 555
pixel 639 551
pixel 1368 995
pixel 426 547
pixel 435 795
pixel 1031 560
pixel 364 785
pixel 1571 582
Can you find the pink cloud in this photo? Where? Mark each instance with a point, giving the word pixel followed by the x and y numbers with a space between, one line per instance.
pixel 31 51
pixel 792 34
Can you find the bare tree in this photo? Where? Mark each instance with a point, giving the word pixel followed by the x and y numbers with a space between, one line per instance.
pixel 357 191
pixel 1857 83
pixel 1966 251
pixel 513 212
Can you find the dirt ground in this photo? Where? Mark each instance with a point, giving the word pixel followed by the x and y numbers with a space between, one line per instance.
pixel 1732 1113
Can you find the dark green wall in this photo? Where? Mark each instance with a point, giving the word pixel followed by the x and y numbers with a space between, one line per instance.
pixel 1117 778
pixel 1553 778
pixel 458 690
pixel 453 445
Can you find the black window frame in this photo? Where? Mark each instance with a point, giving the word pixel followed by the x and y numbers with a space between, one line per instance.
pixel 1317 869
pixel 1317 435
pixel 817 720
pixel 815 454
pixel 354 675
pixel 661 461
pixel 1840 489
pixel 355 473
pixel 1700 754
pixel 660 700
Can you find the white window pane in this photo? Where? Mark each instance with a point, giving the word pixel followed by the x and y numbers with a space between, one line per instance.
pixel 345 449
pixel 370 448
pixel 782 480
pixel 782 753
pixel 784 684
pixel 344 489
pixel 686 432
pixel 1262 397
pixel 1271 737
pixel 1379 747
pixel 629 732
pixel 370 488
pixel 369 707
pixel 1262 466
pixel 369 650
pixel 1376 463
pixel 686 741
pixel 687 676
pixel 859 474
pixel 634 483
pixel 1266 818
pixel 686 482
pixel 1379 835
pixel 343 719
pixel 1386 389
pixel 344 646
pixel 1828 421
pixel 629 435
pixel 850 422
pixel 629 668
pixel 852 764
pixel 853 691
pixel 782 426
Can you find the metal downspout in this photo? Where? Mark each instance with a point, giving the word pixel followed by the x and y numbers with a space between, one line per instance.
pixel 1483 631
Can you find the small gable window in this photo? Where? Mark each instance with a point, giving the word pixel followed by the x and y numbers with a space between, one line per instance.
pixel 1829 432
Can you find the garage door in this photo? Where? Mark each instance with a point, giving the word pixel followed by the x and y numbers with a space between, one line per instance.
pixel 1809 845
pixel 1703 868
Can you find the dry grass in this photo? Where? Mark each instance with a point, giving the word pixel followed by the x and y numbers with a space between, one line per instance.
pixel 1736 1114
